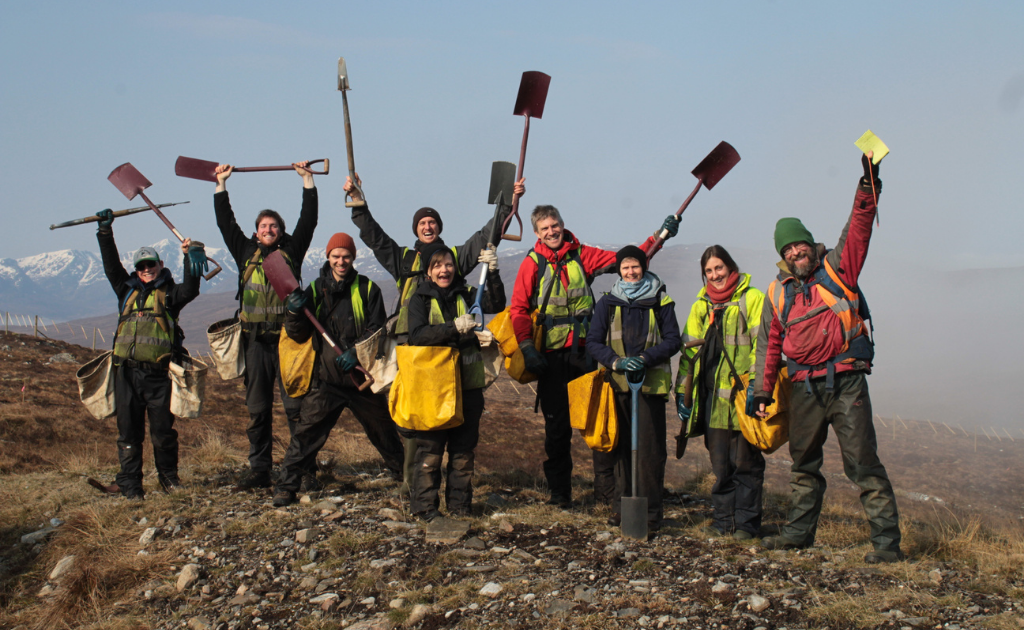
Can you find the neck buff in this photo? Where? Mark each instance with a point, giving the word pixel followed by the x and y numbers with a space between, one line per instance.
pixel 719 296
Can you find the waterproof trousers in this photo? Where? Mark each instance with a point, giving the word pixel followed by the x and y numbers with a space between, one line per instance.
pixel 847 408
pixel 461 444
pixel 604 477
pixel 651 454
pixel 138 391
pixel 321 409
pixel 563 366
pixel 739 479
pixel 262 374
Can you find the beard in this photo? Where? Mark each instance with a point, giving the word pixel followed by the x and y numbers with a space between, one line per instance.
pixel 804 267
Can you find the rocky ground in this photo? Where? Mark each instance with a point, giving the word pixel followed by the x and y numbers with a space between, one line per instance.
pixel 351 557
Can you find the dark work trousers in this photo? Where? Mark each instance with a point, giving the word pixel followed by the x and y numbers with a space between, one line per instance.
pixel 562 367
pixel 651 453
pixel 848 409
pixel 739 478
pixel 321 409
pixel 138 391
pixel 461 444
pixel 604 477
pixel 262 373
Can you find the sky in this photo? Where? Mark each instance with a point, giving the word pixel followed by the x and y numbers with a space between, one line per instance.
pixel 638 97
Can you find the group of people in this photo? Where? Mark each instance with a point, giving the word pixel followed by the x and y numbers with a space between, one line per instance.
pixel 815 315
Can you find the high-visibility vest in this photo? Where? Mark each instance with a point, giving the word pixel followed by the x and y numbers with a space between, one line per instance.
pixel 568 308
pixel 741 322
pixel 471 360
pixel 260 304
pixel 147 332
pixel 849 306
pixel 657 378
pixel 409 281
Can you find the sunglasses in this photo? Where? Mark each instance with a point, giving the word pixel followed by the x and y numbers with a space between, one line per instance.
pixel 145 264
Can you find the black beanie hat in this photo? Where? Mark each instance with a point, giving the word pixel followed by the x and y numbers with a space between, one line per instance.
pixel 426 212
pixel 631 251
pixel 427 251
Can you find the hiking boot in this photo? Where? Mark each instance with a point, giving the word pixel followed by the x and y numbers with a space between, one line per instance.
pixel 133 494
pixel 284 498
pixel 170 485
pixel 740 534
pixel 879 556
pixel 429 516
pixel 311 484
pixel 615 520
pixel 254 479
pixel 561 501
pixel 780 543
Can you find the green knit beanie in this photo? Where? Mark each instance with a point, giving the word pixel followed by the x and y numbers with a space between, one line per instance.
pixel 791 230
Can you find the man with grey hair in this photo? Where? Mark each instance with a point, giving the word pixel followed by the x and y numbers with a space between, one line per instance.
pixel 555 279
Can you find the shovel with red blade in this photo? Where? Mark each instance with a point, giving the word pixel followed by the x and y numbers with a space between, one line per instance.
pixel 131 182
pixel 533 93
pixel 280 276
pixel 206 170
pixel 709 172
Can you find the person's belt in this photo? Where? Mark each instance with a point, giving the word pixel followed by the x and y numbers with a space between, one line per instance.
pixel 146 366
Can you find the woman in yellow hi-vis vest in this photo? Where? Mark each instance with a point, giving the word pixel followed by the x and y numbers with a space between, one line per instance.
pixel 439 316
pixel 635 330
pixel 727 316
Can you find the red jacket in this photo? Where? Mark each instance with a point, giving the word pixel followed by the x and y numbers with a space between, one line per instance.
pixel 595 262
pixel 820 338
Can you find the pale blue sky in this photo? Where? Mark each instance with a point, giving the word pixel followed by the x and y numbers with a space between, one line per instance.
pixel 638 97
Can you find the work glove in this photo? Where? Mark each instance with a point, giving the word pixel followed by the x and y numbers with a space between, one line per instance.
pixel 671 225
pixel 870 170
pixel 629 364
pixel 681 409
pixel 296 301
pixel 761 399
pixel 347 360
pixel 484 337
pixel 198 264
pixel 465 323
pixel 751 409
pixel 534 360
pixel 106 219
pixel 489 258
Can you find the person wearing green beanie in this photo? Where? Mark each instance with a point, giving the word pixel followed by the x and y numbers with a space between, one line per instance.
pixel 817 319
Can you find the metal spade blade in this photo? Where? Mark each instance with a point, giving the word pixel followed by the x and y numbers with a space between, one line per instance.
pixel 128 180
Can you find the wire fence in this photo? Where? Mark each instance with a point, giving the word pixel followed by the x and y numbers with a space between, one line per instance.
pixel 38 326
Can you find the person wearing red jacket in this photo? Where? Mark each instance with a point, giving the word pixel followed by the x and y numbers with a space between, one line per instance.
pixel 817 320
pixel 565 307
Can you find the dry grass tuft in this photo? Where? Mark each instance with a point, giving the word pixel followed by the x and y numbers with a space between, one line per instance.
pixel 213 453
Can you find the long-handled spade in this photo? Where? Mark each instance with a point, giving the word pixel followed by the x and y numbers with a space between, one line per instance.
pixel 280 275
pixel 501 195
pixel 634 508
pixel 709 172
pixel 533 93
pixel 207 170
pixel 343 87
pixel 131 182
pixel 117 213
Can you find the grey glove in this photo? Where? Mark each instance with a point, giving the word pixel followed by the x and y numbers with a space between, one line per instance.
pixel 465 323
pixel 490 258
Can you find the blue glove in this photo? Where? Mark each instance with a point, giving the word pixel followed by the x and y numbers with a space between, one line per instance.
pixel 197 263
pixel 751 409
pixel 296 301
pixel 347 360
pixel 629 364
pixel 671 225
pixel 106 218
pixel 534 360
pixel 683 411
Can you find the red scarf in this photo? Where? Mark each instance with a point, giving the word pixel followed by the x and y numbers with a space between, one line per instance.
pixel 724 295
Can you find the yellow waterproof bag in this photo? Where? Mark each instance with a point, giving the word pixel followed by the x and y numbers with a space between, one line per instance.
pixel 501 326
pixel 297 361
pixel 767 434
pixel 426 395
pixel 592 410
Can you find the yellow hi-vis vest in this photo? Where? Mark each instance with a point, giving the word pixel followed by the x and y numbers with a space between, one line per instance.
pixel 471 362
pixel 657 378
pixel 409 281
pixel 260 304
pixel 144 333
pixel 568 308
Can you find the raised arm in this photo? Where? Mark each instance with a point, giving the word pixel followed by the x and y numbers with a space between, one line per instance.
pixel 309 215
pixel 387 252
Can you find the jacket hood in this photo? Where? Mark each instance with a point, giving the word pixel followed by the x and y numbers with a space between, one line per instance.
pixel 569 243
pixel 741 287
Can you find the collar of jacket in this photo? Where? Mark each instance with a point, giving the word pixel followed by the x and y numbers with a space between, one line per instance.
pixel 330 284
pixel 741 288
pixel 569 243
pixel 419 245
pixel 164 277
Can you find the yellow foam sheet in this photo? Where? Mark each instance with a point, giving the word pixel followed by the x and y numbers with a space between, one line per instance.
pixel 870 142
